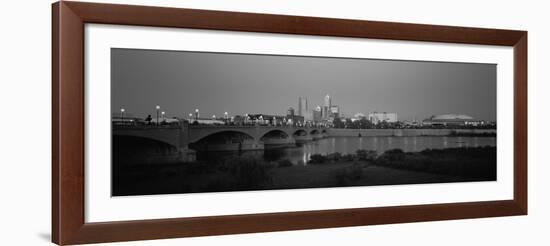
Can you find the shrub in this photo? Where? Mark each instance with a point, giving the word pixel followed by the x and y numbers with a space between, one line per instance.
pixel 199 168
pixel 347 175
pixel 271 164
pixel 394 152
pixel 336 156
pixel 348 157
pixel 476 163
pixel 248 172
pixel 317 159
pixel 285 163
pixel 366 155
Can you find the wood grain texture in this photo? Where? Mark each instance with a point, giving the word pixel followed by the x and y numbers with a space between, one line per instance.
pixel 520 122
pixel 68 121
pixel 68 19
pixel 55 123
pixel 252 22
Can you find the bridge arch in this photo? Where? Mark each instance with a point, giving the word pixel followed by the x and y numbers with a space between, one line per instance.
pixel 128 150
pixel 225 135
pixel 299 132
pixel 314 132
pixel 277 138
pixel 197 134
pixel 275 133
pixel 222 141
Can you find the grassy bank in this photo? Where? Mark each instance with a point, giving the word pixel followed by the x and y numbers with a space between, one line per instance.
pixel 334 170
pixel 474 163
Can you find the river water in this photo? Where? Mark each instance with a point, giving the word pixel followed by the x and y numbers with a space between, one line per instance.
pixel 348 145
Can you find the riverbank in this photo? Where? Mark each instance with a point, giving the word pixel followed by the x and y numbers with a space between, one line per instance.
pixel 363 168
pixel 344 174
pixel 336 132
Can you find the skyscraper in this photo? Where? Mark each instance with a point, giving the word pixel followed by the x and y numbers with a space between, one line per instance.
pixel 326 107
pixel 327 101
pixel 302 106
pixel 317 114
pixel 334 111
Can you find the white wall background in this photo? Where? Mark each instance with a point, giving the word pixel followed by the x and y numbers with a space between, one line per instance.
pixel 25 125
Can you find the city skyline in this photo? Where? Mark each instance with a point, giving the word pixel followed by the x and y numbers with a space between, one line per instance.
pixel 242 83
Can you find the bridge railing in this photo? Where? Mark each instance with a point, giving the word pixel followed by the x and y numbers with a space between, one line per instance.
pixel 143 127
pixel 253 126
pixel 205 126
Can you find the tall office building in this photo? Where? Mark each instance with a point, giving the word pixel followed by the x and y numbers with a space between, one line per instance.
pixel 317 114
pixel 327 101
pixel 326 107
pixel 334 111
pixel 302 106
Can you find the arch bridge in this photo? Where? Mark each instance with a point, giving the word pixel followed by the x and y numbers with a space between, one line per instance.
pixel 190 138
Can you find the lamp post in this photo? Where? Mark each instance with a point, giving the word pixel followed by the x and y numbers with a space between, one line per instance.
pixel 158 107
pixel 197 114
pixel 122 115
pixel 163 116
pixel 225 117
pixel 190 117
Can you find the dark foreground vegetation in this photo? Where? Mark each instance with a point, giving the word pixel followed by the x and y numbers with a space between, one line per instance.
pixel 363 168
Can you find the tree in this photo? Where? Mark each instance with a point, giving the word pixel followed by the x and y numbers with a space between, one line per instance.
pixel 384 124
pixel 349 123
pixel 338 123
pixel 364 123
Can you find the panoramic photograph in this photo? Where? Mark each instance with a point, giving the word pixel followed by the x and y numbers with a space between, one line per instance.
pixel 192 122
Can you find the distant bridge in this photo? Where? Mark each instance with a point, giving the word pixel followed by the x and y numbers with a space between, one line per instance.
pixel 189 138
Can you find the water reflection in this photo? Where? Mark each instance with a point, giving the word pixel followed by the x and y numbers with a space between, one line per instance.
pixel 348 145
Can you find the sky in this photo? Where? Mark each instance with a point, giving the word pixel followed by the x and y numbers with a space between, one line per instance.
pixel 181 81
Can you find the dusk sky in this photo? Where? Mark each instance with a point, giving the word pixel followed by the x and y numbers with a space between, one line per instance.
pixel 181 81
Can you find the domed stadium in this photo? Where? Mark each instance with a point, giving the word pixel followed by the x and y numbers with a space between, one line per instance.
pixel 452 117
pixel 449 119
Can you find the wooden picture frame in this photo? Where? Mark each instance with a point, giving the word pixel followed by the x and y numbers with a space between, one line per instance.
pixel 68 223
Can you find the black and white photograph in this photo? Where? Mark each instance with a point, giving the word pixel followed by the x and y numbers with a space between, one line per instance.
pixel 188 122
pixel 273 123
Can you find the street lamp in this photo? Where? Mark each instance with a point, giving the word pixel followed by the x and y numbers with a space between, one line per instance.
pixel 190 116
pixel 162 116
pixel 158 107
pixel 122 115
pixel 197 114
